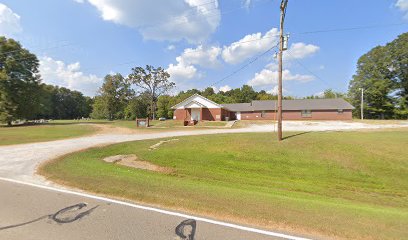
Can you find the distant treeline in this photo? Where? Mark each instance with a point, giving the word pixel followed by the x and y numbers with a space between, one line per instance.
pixel 62 103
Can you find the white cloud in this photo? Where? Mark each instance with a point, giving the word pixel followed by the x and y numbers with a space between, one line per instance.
pixel 171 47
pixel 205 57
pixel 296 51
pixel 246 3
pixel 201 56
pixel 9 21
pixel 299 51
pixel 68 75
pixel 403 6
pixel 163 19
pixel 181 71
pixel 249 46
pixel 225 88
pixel 319 94
pixel 270 77
pixel 275 90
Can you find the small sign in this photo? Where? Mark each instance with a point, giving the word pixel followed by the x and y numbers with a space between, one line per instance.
pixel 142 122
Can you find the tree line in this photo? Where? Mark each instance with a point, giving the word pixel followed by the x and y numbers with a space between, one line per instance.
pixel 144 92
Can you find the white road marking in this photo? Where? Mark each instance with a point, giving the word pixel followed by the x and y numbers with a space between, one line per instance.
pixel 230 225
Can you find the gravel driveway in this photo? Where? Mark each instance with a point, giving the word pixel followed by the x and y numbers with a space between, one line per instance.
pixel 19 162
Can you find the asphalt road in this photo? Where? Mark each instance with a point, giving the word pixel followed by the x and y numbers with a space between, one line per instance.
pixel 31 212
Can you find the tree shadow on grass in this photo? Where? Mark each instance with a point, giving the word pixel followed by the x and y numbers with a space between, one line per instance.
pixel 294 135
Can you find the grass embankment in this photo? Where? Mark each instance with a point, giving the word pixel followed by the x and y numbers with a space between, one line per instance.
pixel 338 184
pixel 211 124
pixel 246 123
pixel 43 132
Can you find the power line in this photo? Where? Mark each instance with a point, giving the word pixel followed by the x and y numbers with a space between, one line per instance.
pixel 315 32
pixel 242 67
pixel 308 70
pixel 271 36
pixel 17 50
pixel 352 28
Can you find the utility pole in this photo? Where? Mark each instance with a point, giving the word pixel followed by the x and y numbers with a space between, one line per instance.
pixel 283 5
pixel 362 103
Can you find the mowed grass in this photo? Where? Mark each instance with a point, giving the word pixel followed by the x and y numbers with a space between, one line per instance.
pixel 211 124
pixel 42 133
pixel 168 124
pixel 351 185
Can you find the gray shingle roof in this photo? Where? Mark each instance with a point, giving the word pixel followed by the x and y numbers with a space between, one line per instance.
pixel 298 104
pixel 237 107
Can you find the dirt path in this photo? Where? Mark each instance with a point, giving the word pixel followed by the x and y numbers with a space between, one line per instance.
pixel 19 162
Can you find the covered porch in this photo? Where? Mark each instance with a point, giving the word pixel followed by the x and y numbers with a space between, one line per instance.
pixel 194 113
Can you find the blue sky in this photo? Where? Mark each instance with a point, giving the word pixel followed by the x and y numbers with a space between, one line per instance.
pixel 200 42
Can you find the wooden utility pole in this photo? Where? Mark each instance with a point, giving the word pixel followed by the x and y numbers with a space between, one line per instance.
pixel 283 5
pixel 362 103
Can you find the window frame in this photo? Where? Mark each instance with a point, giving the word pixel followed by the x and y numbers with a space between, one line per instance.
pixel 306 113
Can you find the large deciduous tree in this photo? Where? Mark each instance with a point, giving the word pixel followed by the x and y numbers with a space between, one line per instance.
pixel 113 97
pixel 398 52
pixel 383 74
pixel 164 104
pixel 19 82
pixel 153 81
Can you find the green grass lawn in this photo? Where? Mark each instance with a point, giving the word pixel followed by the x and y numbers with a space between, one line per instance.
pixel 211 124
pixel 44 132
pixel 331 184
pixel 169 124
pixel 246 123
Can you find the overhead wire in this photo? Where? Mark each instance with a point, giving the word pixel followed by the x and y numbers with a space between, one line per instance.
pixel 243 66
pixel 309 71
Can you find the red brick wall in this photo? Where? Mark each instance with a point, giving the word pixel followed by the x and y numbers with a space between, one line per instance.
pixel 182 114
pixel 269 115
pixel 296 115
pixel 225 113
pixel 209 114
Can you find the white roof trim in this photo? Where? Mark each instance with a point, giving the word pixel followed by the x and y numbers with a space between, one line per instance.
pixel 184 102
pixel 194 102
